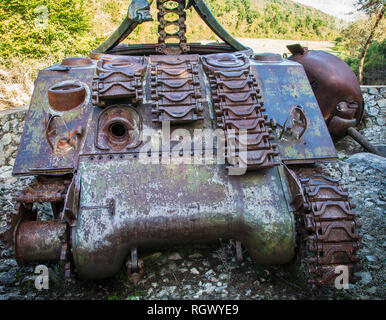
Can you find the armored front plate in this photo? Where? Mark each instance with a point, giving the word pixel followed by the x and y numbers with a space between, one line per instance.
pixel 126 204
pixel 34 154
pixel 285 85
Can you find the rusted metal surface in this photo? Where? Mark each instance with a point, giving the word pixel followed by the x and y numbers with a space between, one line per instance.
pixel 335 86
pixel 176 88
pixel 118 78
pixel 43 191
pixel 65 97
pixel 85 134
pixel 174 204
pixel 118 127
pixel 327 225
pixel 238 106
pixel 284 85
pixel 352 132
pixel 38 241
pixel 39 155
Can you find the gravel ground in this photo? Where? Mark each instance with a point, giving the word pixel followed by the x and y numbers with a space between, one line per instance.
pixel 211 271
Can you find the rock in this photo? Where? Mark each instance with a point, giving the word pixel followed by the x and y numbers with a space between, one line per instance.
pixel 7 139
pixel 4 267
pixel 175 256
pixel 363 161
pixel 154 256
pixel 12 296
pixel 371 258
pixel 372 290
pixel 209 273
pixel 223 276
pixel 373 91
pixel 366 277
pixel 381 120
pixel 221 289
pixel 7 278
pixel 28 281
pixel 209 288
pixel 368 237
pixel 195 256
pixel 373 111
pixel 194 271
pixel 171 289
pixel 206 263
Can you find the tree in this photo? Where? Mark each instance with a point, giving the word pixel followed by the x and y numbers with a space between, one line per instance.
pixel 372 8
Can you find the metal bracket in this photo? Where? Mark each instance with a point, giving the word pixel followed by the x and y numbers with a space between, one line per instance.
pixel 134 267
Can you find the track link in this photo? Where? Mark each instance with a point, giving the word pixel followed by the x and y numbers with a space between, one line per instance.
pixel 330 226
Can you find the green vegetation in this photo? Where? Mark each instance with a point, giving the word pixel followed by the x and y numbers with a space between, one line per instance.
pixel 23 32
pixel 350 45
pixel 281 19
pixel 73 26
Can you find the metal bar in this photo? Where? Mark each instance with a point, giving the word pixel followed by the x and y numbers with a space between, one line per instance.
pixel 354 133
pixel 206 15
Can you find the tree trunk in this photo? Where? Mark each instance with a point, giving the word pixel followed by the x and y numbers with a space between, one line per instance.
pixel 368 42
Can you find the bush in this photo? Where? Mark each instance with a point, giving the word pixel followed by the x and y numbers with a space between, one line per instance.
pixel 23 33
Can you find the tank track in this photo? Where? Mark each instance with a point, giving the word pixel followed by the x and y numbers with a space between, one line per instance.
pixel 165 9
pixel 176 89
pixel 239 107
pixel 329 229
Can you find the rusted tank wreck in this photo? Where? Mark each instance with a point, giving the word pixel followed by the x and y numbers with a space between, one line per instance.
pixel 104 139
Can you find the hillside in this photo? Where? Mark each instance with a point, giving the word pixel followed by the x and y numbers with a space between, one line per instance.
pixel 75 27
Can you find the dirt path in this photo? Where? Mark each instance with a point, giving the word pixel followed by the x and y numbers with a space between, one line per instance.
pixel 280 46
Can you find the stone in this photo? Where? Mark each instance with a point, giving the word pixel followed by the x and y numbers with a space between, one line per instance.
pixel 382 103
pixel 7 278
pixel 195 256
pixel 372 290
pixel 367 161
pixel 371 258
pixel 12 296
pixel 368 237
pixel 381 120
pixel 194 271
pixel 366 277
pixel 223 276
pixel 373 111
pixel 4 267
pixel 7 139
pixel 175 256
pixel 210 289
pixel 6 127
pixel 209 273
pixel 373 90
